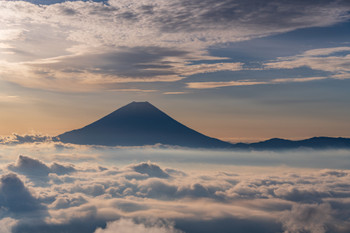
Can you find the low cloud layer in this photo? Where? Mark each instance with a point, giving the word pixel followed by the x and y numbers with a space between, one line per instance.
pixel 153 197
pixel 177 156
pixel 27 138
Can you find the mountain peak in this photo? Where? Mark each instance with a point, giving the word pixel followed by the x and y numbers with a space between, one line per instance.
pixel 134 111
pixel 139 124
pixel 138 106
pixel 141 103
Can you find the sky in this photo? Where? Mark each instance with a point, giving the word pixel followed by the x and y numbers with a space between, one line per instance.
pixel 231 69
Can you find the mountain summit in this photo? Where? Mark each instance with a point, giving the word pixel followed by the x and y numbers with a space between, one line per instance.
pixel 139 124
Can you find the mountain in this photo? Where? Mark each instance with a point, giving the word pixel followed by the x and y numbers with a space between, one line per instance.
pixel 284 144
pixel 139 124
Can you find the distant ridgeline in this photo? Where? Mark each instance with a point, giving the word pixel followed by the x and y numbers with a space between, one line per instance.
pixel 140 124
pixel 282 144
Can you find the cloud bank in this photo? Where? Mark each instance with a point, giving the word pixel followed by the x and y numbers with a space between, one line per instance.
pixel 102 196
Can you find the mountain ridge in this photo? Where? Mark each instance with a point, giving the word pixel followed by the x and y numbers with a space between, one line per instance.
pixel 320 142
pixel 141 124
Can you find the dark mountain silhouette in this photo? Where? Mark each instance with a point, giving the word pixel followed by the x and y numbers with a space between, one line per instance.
pixel 139 124
pixel 283 144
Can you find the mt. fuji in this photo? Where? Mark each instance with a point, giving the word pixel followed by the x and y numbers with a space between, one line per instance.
pixel 139 124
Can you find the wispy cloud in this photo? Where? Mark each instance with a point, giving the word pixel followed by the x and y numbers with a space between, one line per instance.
pixel 324 59
pixel 335 60
pixel 133 90
pixel 207 85
pixel 10 98
pixel 99 44
pixel 174 93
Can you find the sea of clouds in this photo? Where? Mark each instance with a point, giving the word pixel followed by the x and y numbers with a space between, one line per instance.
pixel 48 186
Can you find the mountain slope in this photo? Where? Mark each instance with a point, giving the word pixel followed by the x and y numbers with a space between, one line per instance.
pixel 139 124
pixel 284 144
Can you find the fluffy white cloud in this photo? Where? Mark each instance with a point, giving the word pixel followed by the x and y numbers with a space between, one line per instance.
pixel 128 226
pixel 152 170
pixel 311 218
pixel 6 225
pixel 34 167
